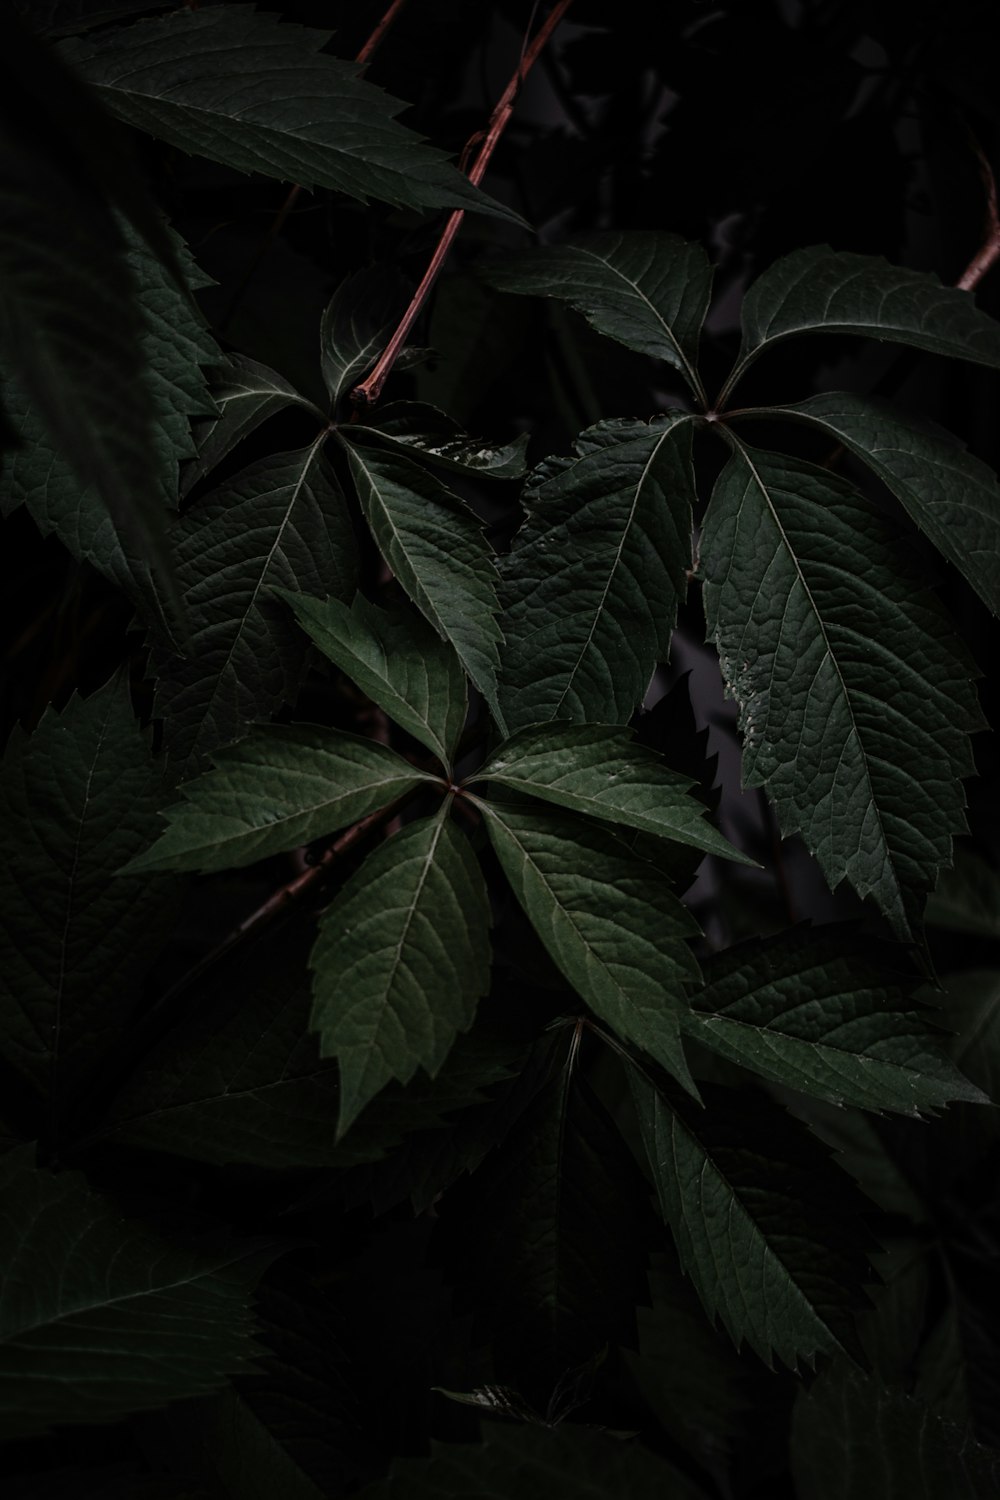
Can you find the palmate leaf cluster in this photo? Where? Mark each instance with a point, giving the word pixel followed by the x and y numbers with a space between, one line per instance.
pixel 391 1105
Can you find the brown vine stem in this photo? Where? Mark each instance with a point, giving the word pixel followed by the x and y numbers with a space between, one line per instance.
pixel 989 251
pixel 367 393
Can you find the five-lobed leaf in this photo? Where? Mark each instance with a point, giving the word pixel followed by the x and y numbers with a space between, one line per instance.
pixel 829 1018
pixel 610 921
pixel 397 659
pixel 86 1290
pixel 257 94
pixel 284 785
pixel 768 1230
pixel 649 291
pixel 436 547
pixel 401 960
pixel 600 770
pixel 593 578
pixel 855 696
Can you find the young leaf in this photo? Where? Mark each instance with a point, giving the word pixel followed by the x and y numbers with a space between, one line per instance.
pixel 436 548
pixel 592 580
pixel 547 1238
pixel 397 659
pixel 828 1018
pixel 244 89
pixel 765 1226
pixel 101 1317
pixel 952 497
pixel 281 521
pixel 855 697
pixel 357 324
pixel 413 427
pixel 245 394
pixel 853 1439
pixel 78 797
pixel 648 291
pixel 285 785
pixel 401 961
pixel 602 771
pixel 610 921
pixel 820 290
pixel 566 1462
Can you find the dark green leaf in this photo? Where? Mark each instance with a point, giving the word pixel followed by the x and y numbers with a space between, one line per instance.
pixel 402 958
pixel 828 1017
pixel 78 798
pixel 236 85
pixel 952 497
pixel 281 521
pixel 854 1439
pixel 413 427
pixel 648 291
pixel 855 697
pixel 596 769
pixel 70 17
pixel 100 1316
pixel 610 921
pixel 435 546
pixel 285 785
pixel 245 394
pixel 766 1227
pixel 397 659
pixel 593 578
pixel 820 290
pixel 357 324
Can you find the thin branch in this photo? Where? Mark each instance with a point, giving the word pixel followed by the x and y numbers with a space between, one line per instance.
pixel 989 251
pixel 367 393
pixel 373 43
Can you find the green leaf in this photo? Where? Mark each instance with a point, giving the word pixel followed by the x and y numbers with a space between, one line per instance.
pixel 284 785
pixel 827 1017
pixel 357 323
pixel 602 771
pixel 966 897
pixel 396 659
pixel 282 521
pixel 416 428
pixel 101 1316
pixel 401 961
pixel 649 291
pixel 952 497
pixel 610 921
pixel 78 797
pixel 245 394
pixel 820 290
pixel 547 1239
pixel 174 345
pixel 855 696
pixel 593 577
pixel 238 86
pixel 435 546
pixel 854 1439
pixel 537 1463
pixel 765 1226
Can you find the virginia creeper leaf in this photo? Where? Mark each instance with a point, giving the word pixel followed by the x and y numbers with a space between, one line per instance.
pixel 281 521
pixel 414 427
pixel 245 394
pixel 237 85
pixel 829 1018
pixel 600 770
pixel 819 290
pixel 284 785
pixel 401 961
pixel 649 291
pixel 357 323
pixel 397 659
pixel 593 577
pixel 100 1316
pixel 768 1230
pixel 855 697
pixel 610 921
pixel 436 548
pixel 78 798
pixel 952 497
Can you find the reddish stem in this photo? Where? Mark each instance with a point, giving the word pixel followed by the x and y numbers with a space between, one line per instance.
pixel 989 251
pixel 367 393
pixel 364 57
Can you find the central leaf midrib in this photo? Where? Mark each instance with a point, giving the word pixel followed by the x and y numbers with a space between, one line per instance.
pixel 688 369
